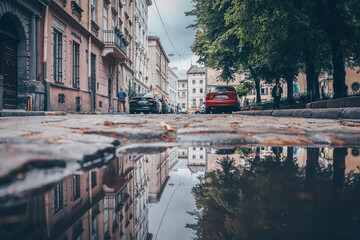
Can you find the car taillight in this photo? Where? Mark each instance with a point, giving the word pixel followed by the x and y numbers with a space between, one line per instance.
pixel 232 95
pixel 163 101
pixel 151 100
pixel 210 96
pixel 133 100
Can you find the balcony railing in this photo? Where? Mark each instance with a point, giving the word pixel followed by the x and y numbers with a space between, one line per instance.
pixel 114 37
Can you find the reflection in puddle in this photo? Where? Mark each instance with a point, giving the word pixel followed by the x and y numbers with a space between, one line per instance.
pixel 237 193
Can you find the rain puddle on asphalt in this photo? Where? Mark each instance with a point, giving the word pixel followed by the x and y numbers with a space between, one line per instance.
pixel 197 193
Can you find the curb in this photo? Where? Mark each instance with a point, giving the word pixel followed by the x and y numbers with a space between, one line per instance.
pixel 329 113
pixel 30 113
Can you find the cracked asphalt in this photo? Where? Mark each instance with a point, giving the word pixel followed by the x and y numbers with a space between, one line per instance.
pixel 83 142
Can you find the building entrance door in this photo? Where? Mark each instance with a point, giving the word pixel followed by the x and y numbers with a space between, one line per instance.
pixel 8 62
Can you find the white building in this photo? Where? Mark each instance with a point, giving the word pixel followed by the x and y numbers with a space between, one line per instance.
pixel 173 88
pixel 141 45
pixel 196 88
pixel 182 87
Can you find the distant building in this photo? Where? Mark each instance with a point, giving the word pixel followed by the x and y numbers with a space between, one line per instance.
pixel 158 67
pixel 213 79
pixel 182 88
pixel 173 88
pixel 196 88
pixel 141 46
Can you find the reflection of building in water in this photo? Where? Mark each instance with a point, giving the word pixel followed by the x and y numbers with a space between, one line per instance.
pixel 119 199
pixel 67 204
pixel 182 153
pixel 173 157
pixel 158 172
pixel 197 159
pixel 141 198
pixel 215 155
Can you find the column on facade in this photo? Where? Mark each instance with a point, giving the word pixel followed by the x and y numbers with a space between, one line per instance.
pixel 33 67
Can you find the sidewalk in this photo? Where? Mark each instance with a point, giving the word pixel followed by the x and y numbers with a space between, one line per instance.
pixel 24 113
pixel 324 113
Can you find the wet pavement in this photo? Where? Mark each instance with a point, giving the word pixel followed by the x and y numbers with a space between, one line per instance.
pixel 179 177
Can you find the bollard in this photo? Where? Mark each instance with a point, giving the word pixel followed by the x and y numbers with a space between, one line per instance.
pixel 30 103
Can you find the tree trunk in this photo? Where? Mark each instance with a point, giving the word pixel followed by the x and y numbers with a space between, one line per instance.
pixel 258 91
pixel 290 90
pixel 339 167
pixel 340 88
pixel 312 163
pixel 312 80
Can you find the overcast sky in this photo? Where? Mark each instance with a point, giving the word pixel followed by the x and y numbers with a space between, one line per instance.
pixel 173 15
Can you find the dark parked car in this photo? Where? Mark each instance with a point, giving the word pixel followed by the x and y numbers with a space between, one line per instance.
pixel 165 105
pixel 146 103
pixel 222 99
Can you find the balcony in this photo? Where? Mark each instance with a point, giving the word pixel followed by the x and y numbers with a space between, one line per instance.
pixel 115 44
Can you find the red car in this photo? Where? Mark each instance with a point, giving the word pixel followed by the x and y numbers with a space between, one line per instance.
pixel 222 99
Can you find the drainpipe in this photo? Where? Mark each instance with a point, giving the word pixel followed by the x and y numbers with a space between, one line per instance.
pixel 92 94
pixel 46 82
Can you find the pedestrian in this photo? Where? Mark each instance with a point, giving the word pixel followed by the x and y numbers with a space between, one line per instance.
pixel 121 97
pixel 276 93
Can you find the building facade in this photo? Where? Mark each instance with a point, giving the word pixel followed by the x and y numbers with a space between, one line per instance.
pixel 197 81
pixel 20 54
pixel 182 88
pixel 141 45
pixel 158 67
pixel 87 53
pixel 173 88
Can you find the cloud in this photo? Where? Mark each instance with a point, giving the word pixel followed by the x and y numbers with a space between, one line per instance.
pixel 173 15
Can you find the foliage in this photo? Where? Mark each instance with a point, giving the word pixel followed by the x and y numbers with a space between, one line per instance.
pixel 243 151
pixel 244 88
pixel 131 91
pixel 271 39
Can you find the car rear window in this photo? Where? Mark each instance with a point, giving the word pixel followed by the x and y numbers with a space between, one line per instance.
pixel 149 95
pixel 222 89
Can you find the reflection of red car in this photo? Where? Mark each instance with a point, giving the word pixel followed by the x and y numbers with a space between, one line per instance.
pixel 222 99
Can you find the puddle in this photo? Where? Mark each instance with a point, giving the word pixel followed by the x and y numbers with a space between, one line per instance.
pixel 195 192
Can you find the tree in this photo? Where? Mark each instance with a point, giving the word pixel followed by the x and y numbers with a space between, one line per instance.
pixel 244 88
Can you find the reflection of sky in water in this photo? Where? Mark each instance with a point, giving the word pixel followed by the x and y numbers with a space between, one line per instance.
pixel 168 217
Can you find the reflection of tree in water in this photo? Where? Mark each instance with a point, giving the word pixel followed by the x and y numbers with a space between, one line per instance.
pixel 271 199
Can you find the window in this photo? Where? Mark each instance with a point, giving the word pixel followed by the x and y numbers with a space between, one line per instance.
pixel 193 156
pixel 93 179
pixel 76 65
pixel 183 85
pixel 264 91
pixel 193 81
pixel 194 102
pixel 57 56
pixel 105 15
pixel 58 198
pixel 201 149
pixel 183 105
pixel 201 101
pixel 194 90
pixel 93 3
pixel 201 157
pixel 201 90
pixel 113 23
pixel 76 187
pixel 194 148
pixel 201 81
pixel 183 94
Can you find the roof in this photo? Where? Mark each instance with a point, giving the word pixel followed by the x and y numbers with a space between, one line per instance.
pixel 197 168
pixel 196 70
pixel 161 47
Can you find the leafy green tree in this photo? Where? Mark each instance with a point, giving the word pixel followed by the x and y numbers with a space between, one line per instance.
pixel 244 88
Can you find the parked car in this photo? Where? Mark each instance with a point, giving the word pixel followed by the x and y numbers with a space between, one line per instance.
pixel 183 111
pixel 146 103
pixel 202 111
pixel 222 99
pixel 164 102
